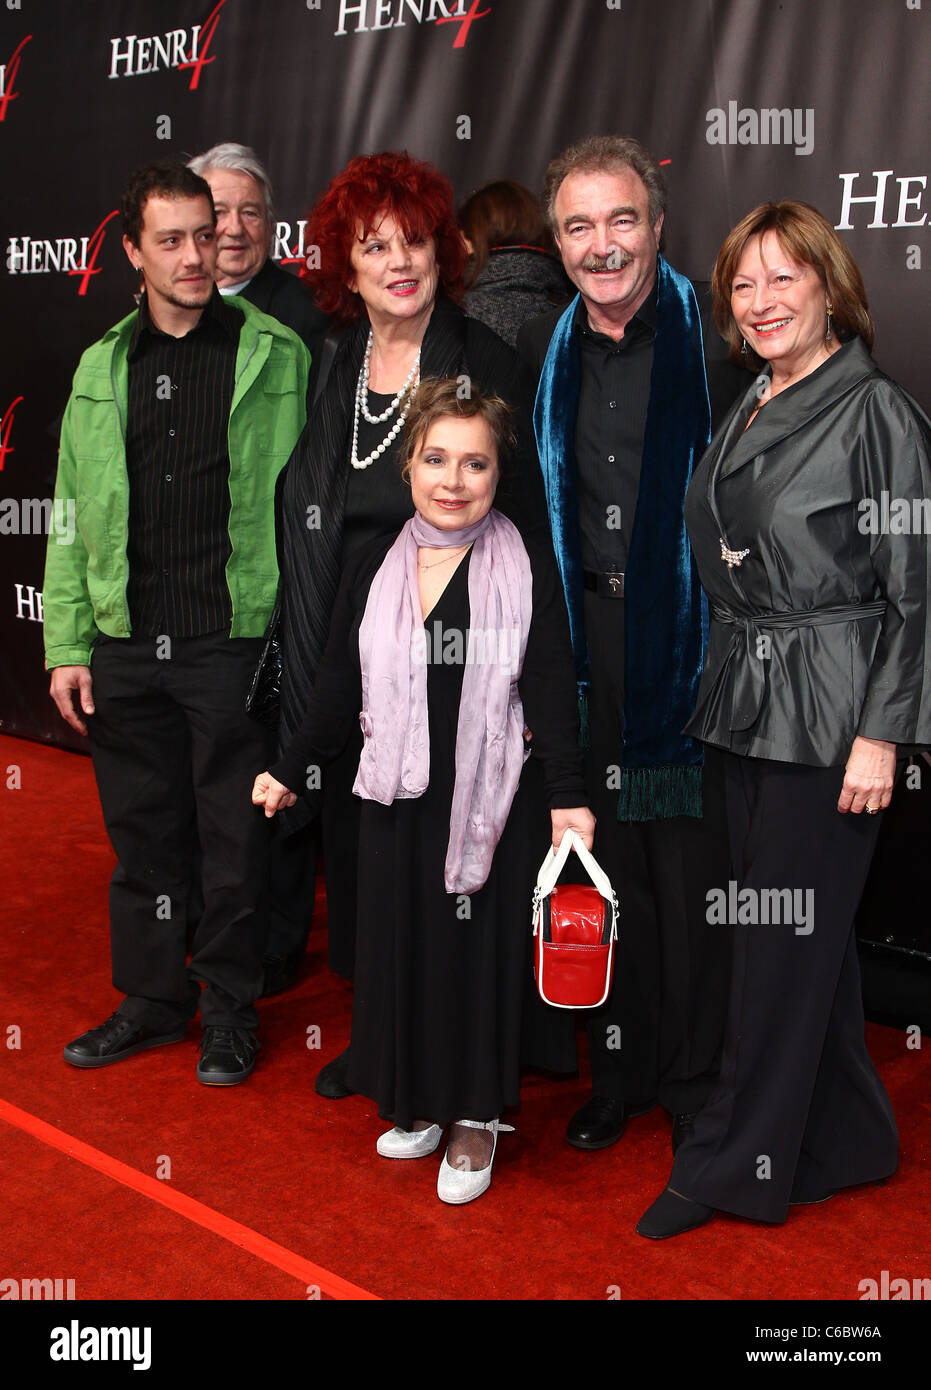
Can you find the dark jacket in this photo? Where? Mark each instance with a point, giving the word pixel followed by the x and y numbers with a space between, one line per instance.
pixel 288 300
pixel 792 671
pixel 517 283
pixel 725 381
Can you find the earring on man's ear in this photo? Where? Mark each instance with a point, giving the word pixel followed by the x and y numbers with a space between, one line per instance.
pixel 830 309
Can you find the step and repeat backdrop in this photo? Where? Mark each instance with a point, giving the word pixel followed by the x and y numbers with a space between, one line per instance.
pixel 743 100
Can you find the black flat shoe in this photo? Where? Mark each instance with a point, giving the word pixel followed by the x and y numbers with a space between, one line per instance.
pixel 119 1037
pixel 227 1056
pixel 331 1079
pixel 672 1215
pixel 682 1127
pixel 601 1121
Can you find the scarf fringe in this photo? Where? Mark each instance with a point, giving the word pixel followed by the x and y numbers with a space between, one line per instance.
pixel 659 793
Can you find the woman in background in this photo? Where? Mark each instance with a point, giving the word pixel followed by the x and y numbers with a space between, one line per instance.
pixel 512 273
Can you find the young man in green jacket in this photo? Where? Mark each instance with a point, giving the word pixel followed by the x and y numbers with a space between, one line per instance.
pixel 180 419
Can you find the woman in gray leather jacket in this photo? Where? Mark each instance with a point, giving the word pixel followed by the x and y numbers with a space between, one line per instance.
pixel 809 520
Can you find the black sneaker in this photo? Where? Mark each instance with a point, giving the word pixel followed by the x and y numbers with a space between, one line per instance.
pixel 119 1037
pixel 227 1056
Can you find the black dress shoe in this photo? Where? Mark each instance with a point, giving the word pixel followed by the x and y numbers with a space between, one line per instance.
pixel 601 1121
pixel 119 1037
pixel 227 1056
pixel 682 1127
pixel 279 973
pixel 331 1079
pixel 672 1215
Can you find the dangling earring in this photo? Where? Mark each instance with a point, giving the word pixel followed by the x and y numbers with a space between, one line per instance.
pixel 830 309
pixel 743 350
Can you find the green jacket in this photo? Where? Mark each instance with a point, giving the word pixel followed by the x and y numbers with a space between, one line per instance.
pixel 86 567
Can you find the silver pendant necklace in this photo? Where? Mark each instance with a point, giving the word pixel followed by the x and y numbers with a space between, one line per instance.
pixel 432 566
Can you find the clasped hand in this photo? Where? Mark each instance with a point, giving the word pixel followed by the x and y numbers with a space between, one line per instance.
pixel 273 795
pixel 868 777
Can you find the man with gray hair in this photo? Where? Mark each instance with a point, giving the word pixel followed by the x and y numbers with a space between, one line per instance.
pixel 242 196
pixel 632 376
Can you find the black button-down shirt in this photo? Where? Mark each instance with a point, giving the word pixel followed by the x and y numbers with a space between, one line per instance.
pixel 613 402
pixel 177 457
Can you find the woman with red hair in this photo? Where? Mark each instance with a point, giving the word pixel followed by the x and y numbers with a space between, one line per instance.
pixel 386 265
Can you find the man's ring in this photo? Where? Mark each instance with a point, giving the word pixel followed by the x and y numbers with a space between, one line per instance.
pixel 872 810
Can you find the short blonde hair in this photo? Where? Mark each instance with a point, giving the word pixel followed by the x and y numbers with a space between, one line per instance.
pixel 810 240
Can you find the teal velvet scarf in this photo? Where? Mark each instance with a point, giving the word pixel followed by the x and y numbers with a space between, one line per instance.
pixel 666 618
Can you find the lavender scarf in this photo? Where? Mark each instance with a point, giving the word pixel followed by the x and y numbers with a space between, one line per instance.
pixel 490 748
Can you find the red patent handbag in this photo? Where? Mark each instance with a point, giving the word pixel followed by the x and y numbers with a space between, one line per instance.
pixel 574 930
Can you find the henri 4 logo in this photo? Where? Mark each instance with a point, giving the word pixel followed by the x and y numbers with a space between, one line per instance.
pixel 34 256
pixel 8 76
pixel 6 424
pixel 380 16
pixel 174 49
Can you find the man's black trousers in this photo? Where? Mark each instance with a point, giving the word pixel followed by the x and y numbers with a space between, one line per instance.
pixel 175 758
pixel 659 1034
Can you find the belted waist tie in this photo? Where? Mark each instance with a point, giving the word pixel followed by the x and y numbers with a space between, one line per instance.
pixel 749 674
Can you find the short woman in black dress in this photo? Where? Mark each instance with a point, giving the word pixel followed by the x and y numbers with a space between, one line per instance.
pixel 446 851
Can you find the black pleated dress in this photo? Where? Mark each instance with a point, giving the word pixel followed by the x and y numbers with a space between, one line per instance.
pixel 441 979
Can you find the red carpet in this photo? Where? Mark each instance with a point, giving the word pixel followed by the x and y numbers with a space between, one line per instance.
pixel 274 1191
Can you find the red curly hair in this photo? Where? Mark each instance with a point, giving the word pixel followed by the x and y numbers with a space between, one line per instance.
pixel 419 198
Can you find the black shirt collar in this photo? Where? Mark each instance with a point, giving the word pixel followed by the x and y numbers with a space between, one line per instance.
pixel 643 320
pixel 216 311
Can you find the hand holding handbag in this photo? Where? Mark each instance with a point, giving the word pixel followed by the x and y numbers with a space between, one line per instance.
pixel 574 930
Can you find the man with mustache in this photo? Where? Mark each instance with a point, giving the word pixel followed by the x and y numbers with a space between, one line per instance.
pixel 632 375
pixel 180 420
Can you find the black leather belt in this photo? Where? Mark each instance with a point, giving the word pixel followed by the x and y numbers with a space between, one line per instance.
pixel 608 585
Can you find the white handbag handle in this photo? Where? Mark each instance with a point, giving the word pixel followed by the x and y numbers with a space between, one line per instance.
pixel 554 863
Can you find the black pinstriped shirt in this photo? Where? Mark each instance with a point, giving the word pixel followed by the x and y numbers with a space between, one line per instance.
pixel 177 457
pixel 611 419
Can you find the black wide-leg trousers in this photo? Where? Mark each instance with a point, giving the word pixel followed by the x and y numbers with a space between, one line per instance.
pixel 175 758
pixel 659 1034
pixel 799 1110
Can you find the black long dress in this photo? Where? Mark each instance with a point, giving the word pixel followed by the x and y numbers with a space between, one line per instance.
pixel 441 978
pixel 349 507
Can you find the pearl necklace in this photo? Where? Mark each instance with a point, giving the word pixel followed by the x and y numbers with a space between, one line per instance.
pixel 362 408
pixel 458 551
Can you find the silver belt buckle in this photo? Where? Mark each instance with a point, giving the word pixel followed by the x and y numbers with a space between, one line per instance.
pixel 611 585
